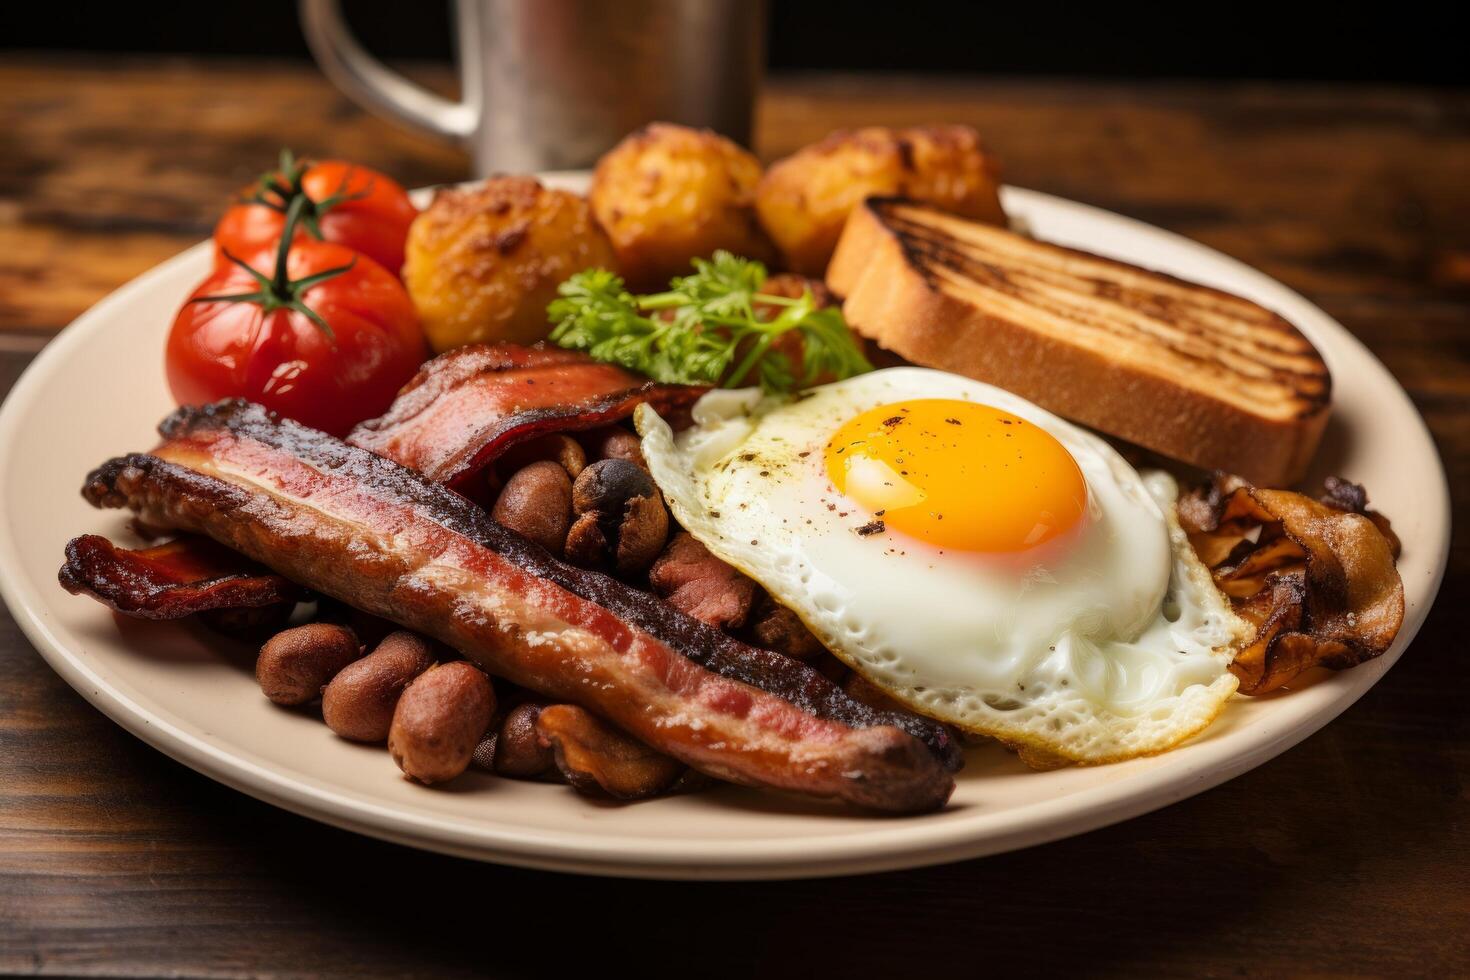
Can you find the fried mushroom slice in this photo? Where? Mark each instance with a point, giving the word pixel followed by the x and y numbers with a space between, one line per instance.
pixel 1341 494
pixel 1317 581
pixel 598 759
pixel 620 518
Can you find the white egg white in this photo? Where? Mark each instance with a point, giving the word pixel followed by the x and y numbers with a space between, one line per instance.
pixel 1113 646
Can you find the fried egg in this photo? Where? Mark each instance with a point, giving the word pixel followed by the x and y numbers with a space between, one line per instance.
pixel 979 559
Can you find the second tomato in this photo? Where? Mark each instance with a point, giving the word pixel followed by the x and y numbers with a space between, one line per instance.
pixel 352 205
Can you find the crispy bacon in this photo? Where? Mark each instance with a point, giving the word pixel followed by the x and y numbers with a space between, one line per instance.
pixel 466 407
pixel 383 538
pixel 170 581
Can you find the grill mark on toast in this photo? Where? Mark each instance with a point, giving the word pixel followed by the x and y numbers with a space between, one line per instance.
pixel 1166 309
pixel 1120 319
pixel 1284 372
pixel 1202 372
pixel 1261 392
pixel 1052 258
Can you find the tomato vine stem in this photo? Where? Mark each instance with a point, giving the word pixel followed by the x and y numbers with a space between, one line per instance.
pixel 282 188
pixel 278 290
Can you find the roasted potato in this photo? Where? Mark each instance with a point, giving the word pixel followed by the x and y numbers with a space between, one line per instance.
pixel 483 262
pixel 804 199
pixel 667 194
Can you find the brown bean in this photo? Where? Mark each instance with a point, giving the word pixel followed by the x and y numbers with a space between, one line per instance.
pixel 439 721
pixel 358 704
pixel 295 664
pixel 519 753
pixel 599 759
pixel 615 442
pixel 537 504
pixel 557 447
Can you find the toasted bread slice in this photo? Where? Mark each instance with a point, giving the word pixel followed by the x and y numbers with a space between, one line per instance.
pixel 1193 373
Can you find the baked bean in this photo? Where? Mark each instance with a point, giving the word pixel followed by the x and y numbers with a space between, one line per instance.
pixel 614 442
pixel 439 720
pixel 608 484
pixel 359 702
pixel 295 664
pixel 519 753
pixel 536 503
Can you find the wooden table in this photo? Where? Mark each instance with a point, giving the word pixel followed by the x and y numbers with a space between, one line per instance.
pixel 1349 854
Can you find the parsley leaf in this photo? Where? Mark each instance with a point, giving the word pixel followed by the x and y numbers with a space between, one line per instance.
pixel 706 329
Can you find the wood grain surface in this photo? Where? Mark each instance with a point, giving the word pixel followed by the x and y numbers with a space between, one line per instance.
pixel 1348 855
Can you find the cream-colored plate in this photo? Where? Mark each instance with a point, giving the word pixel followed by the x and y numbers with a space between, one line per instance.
pixel 98 390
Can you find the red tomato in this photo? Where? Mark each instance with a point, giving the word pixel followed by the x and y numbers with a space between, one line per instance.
pixel 367 211
pixel 266 349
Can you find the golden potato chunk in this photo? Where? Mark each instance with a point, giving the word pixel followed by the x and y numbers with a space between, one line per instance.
pixel 483 262
pixel 804 199
pixel 667 194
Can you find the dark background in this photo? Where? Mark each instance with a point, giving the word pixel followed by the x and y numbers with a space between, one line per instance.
pixel 1370 43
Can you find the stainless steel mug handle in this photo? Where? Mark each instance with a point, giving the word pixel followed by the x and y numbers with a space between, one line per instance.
pixel 368 81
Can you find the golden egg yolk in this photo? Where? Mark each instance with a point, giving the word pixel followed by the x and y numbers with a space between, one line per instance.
pixel 958 475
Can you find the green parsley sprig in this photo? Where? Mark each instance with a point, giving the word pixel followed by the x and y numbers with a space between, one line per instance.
pixel 705 329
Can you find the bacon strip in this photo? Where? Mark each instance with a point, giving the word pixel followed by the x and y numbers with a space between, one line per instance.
pixel 170 581
pixel 383 538
pixel 466 407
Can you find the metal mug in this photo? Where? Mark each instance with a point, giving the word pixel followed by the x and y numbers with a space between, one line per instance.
pixel 552 84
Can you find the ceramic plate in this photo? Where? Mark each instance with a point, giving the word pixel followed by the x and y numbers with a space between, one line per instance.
pixel 98 390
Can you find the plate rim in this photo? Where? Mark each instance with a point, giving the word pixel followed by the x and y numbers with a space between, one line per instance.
pixel 596 852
